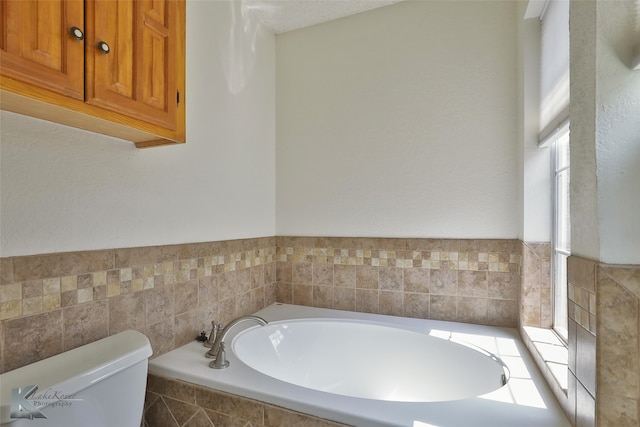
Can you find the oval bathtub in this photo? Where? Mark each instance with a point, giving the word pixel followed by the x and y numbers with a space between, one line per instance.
pixel 304 361
pixel 338 356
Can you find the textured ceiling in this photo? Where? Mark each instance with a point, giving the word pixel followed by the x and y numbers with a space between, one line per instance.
pixel 286 15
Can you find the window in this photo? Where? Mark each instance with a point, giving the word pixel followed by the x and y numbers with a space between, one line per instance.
pixel 554 132
pixel 561 230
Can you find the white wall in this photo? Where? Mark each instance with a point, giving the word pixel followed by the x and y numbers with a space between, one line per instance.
pixel 535 163
pixel 618 132
pixel 585 236
pixel 605 132
pixel 400 122
pixel 63 189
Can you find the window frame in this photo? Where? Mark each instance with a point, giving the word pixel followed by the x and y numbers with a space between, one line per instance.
pixel 559 255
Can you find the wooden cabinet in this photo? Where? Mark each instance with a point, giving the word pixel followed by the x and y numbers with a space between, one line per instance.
pixel 115 67
pixel 37 48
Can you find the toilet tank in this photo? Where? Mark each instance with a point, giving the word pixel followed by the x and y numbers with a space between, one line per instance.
pixel 101 384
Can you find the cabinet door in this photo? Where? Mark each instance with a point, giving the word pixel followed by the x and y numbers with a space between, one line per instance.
pixel 37 45
pixel 136 74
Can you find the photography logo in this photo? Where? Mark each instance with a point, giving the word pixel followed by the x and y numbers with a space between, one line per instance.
pixel 26 404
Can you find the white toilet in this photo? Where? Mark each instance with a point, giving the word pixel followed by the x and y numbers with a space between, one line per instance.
pixel 101 384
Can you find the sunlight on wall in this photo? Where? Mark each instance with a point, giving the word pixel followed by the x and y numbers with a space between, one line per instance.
pixel 238 48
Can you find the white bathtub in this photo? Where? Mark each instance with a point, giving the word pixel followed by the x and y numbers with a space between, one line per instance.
pixel 376 370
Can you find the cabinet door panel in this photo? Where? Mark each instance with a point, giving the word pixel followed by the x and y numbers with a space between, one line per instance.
pixel 138 74
pixel 36 45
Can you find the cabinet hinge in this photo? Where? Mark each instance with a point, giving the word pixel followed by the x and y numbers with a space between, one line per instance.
pixel 178 97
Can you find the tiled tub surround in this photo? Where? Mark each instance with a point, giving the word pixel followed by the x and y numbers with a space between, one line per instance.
pixel 53 303
pixel 175 403
pixel 473 281
pixel 536 294
pixel 582 279
pixel 616 356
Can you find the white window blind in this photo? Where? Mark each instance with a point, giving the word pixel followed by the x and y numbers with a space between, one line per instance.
pixel 554 68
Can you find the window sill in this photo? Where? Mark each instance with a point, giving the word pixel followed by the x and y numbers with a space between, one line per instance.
pixel 551 356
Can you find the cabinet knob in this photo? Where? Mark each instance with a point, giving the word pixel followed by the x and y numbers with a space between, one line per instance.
pixel 104 47
pixel 76 33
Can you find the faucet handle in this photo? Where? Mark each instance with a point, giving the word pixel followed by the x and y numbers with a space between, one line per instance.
pixel 220 361
pixel 212 335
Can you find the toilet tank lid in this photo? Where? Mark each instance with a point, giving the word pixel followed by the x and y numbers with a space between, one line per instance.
pixel 77 369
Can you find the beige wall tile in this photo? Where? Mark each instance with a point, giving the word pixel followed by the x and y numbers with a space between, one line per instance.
pixel 257 277
pixel 186 296
pixel 367 300
pixel 11 292
pixel 391 278
pixel 472 310
pixel 367 277
pixel 227 284
pixel 69 298
pixel 582 272
pixel 195 250
pixel 51 302
pixel 530 315
pixel 443 307
pixel 27 341
pixel 32 288
pixel 613 411
pixel 207 292
pixel 302 294
pixel 6 271
pixel 416 280
pixel 85 323
pixel 159 304
pixel 200 419
pixel 126 312
pixel 302 272
pixel 444 282
pixel 323 296
pixel 344 276
pixel 345 298
pixel 284 292
pixel 227 310
pixel 473 284
pixel 416 305
pixel 243 280
pixel 180 411
pixel 186 328
pixel 283 271
pixel 618 338
pixel 279 417
pixel 10 309
pixel 130 257
pixel 322 274
pixel 502 313
pixel 219 419
pixel 503 285
pixel 31 306
pixel 231 405
pixel 56 265
pixel 391 303
pixel 158 415
pixel 179 390
pixel 161 336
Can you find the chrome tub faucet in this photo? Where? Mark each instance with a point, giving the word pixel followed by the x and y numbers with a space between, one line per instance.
pixel 217 351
